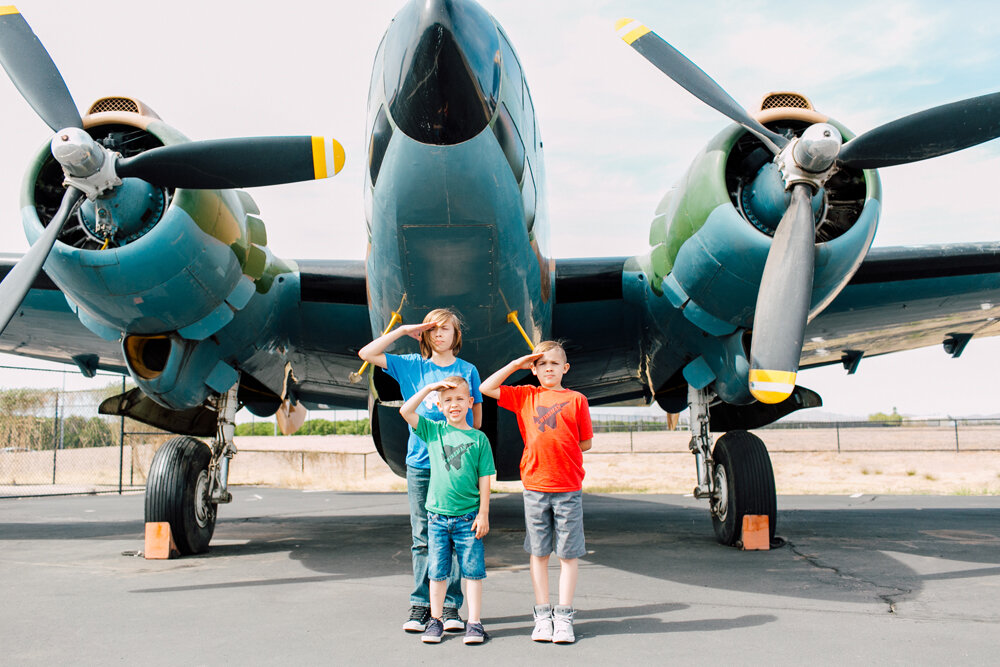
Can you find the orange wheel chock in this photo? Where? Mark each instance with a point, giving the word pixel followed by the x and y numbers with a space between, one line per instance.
pixel 756 532
pixel 159 541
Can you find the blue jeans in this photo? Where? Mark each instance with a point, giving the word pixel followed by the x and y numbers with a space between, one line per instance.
pixel 417 481
pixel 452 536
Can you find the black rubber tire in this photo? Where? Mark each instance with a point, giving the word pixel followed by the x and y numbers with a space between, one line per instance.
pixel 171 488
pixel 749 482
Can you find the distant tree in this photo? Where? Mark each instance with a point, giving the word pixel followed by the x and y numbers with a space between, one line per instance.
pixel 256 428
pixel 895 419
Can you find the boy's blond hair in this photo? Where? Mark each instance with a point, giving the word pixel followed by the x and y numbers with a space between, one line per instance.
pixel 459 383
pixel 441 316
pixel 547 345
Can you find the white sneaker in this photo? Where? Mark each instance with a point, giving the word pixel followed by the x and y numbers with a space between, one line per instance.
pixel 543 623
pixel 562 625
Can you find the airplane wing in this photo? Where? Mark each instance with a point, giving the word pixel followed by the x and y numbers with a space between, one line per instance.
pixel 334 325
pixel 600 331
pixel 904 298
pixel 46 328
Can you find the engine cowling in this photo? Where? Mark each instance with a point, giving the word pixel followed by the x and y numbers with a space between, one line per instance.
pixel 162 270
pixel 712 233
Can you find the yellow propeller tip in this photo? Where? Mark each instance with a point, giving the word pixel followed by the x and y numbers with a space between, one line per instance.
pixel 328 157
pixel 630 30
pixel 771 386
pixel 8 9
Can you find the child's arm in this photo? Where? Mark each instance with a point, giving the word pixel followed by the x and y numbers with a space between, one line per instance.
pixel 409 409
pixel 491 385
pixel 482 523
pixel 586 444
pixel 477 415
pixel 374 352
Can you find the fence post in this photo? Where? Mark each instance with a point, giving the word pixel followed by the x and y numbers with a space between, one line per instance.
pixel 955 421
pixel 121 446
pixel 55 439
pixel 838 436
pixel 631 450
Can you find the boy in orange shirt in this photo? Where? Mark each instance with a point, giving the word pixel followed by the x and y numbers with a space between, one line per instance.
pixel 555 425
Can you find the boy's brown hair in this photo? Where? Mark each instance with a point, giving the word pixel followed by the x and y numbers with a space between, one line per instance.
pixel 547 345
pixel 441 316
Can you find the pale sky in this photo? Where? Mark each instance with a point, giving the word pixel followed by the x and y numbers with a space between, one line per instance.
pixel 617 133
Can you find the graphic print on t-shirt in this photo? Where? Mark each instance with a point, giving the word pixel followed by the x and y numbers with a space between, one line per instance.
pixel 453 455
pixel 546 417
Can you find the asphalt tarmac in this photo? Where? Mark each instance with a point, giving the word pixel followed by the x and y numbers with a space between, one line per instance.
pixel 323 578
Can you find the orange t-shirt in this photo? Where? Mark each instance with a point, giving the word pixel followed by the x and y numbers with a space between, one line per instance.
pixel 553 422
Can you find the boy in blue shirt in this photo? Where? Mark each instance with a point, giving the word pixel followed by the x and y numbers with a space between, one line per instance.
pixel 458 500
pixel 440 337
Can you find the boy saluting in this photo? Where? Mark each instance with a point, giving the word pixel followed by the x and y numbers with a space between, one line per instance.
pixel 458 500
pixel 555 425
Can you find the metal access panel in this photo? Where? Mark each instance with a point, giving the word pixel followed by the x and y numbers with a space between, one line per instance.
pixel 450 265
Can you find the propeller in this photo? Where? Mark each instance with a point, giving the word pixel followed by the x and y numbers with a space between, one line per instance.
pixel 92 169
pixel 32 71
pixel 929 133
pixel 783 302
pixel 692 78
pixel 17 283
pixel 805 164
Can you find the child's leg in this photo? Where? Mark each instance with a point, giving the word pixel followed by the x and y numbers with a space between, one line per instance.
pixel 540 578
pixel 438 589
pixel 472 563
pixel 567 580
pixel 538 525
pixel 474 598
pixel 439 556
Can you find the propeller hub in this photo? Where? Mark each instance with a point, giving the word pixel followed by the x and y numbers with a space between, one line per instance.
pixel 810 159
pixel 818 147
pixel 77 152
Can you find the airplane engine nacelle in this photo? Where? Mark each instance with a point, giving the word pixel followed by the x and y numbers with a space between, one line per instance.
pixel 162 270
pixel 712 233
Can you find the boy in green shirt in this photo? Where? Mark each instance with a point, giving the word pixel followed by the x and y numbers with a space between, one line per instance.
pixel 458 500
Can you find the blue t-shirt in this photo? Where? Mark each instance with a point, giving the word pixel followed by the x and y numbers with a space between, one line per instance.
pixel 413 372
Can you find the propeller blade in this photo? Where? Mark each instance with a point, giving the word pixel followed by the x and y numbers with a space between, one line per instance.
pixel 926 134
pixel 236 163
pixel 783 302
pixel 17 283
pixel 692 78
pixel 32 71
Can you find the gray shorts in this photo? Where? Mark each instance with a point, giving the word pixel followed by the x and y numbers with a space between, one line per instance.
pixel 554 522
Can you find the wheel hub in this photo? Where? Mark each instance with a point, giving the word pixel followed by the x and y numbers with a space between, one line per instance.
pixel 720 501
pixel 204 511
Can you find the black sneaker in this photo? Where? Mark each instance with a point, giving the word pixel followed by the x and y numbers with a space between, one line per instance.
pixel 475 634
pixel 418 619
pixel 452 621
pixel 432 635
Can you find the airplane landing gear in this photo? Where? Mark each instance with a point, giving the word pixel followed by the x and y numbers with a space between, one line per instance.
pixel 736 476
pixel 744 483
pixel 188 479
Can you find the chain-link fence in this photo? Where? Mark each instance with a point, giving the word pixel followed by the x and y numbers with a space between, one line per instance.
pixel 647 434
pixel 54 442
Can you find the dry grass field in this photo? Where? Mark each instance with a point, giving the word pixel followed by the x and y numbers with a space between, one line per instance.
pixel 806 461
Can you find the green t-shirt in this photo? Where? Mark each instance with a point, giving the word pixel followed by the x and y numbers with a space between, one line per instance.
pixel 458 459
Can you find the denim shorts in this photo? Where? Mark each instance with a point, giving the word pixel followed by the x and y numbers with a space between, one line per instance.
pixel 554 522
pixel 446 534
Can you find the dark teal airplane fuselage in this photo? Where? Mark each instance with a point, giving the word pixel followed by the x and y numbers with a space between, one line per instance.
pixel 455 169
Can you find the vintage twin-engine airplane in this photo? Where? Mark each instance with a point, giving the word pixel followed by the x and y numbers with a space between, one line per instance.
pixel 760 262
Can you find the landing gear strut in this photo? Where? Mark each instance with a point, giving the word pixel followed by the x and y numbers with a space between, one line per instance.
pixel 736 476
pixel 188 480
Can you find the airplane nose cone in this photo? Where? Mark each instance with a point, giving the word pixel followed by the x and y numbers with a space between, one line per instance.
pixel 442 70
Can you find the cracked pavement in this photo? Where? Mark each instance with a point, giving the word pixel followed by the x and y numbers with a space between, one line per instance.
pixel 313 577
